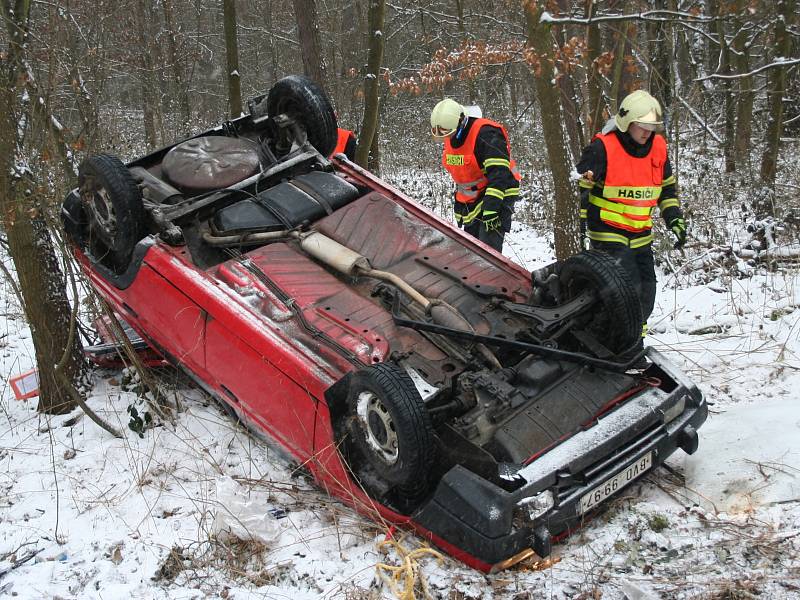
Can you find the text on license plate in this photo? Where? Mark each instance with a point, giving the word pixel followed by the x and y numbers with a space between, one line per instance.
pixel 617 482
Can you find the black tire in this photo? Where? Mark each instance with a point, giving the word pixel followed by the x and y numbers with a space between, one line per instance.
pixel 390 427
pixel 113 206
pixel 616 319
pixel 306 102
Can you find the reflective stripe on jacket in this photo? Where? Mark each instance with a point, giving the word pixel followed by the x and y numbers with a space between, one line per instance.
pixel 463 166
pixel 631 188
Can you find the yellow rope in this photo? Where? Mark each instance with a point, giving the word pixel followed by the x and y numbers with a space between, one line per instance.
pixel 402 579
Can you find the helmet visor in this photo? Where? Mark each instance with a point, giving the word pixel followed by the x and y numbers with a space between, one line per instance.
pixel 648 126
pixel 438 131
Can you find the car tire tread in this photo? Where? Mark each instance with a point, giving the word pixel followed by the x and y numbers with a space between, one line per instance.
pixel 619 325
pixel 124 194
pixel 413 424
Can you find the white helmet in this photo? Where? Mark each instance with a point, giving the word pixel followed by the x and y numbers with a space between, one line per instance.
pixel 445 118
pixel 641 108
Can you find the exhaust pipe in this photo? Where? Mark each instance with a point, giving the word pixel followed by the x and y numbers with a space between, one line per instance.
pixel 352 264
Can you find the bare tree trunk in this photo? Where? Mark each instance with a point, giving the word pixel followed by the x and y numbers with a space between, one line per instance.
pixel 570 103
pixel 71 58
pixel 151 108
pixel 565 219
pixel 374 164
pixel 369 126
pixel 724 68
pixel 622 79
pixel 661 58
pixel 273 54
pixel 594 84
pixel 40 277
pixel 232 58
pixel 175 62
pixel 512 93
pixel 305 13
pixel 777 87
pixel 462 30
pixel 746 95
pixel 351 39
pixel 616 94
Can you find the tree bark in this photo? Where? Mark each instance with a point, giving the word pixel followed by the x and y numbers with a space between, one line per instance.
pixel 305 13
pixel 777 87
pixel 565 218
pixel 661 58
pixel 594 83
pixel 462 32
pixel 369 126
pixel 151 108
pixel 232 58
pixel 746 95
pixel 616 94
pixel 570 103
pixel 41 281
pixel 269 9
pixel 724 68
pixel 179 83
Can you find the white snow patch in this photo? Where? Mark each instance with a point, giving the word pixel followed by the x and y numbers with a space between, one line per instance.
pixel 739 469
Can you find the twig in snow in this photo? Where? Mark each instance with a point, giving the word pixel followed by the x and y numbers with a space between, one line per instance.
pixel 18 563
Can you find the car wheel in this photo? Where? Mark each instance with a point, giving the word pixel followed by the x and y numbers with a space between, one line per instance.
pixel 112 203
pixel 616 317
pixel 306 102
pixel 390 426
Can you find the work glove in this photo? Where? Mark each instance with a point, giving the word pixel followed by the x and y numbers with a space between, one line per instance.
pixel 491 222
pixel 491 213
pixel 678 226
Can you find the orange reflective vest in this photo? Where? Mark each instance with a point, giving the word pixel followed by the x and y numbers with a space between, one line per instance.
pixel 462 164
pixel 632 185
pixel 343 136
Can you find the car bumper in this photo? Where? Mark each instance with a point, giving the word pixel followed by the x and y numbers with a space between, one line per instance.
pixel 489 525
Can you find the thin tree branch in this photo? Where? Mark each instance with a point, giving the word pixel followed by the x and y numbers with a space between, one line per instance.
pixel 650 15
pixel 772 65
pixel 13 284
pixel 699 119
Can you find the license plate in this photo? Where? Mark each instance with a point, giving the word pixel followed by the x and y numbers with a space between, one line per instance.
pixel 615 483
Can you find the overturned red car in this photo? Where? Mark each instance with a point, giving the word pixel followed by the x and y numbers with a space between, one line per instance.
pixel 417 374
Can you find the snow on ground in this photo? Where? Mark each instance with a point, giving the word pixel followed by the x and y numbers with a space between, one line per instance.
pixel 84 515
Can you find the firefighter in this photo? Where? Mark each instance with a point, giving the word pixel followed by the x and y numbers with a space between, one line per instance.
pixel 625 173
pixel 477 155
pixel 345 144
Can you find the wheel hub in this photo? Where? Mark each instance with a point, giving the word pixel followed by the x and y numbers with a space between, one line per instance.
pixel 378 426
pixel 102 212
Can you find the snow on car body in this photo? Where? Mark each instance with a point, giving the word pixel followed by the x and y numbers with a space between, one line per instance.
pixel 417 374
